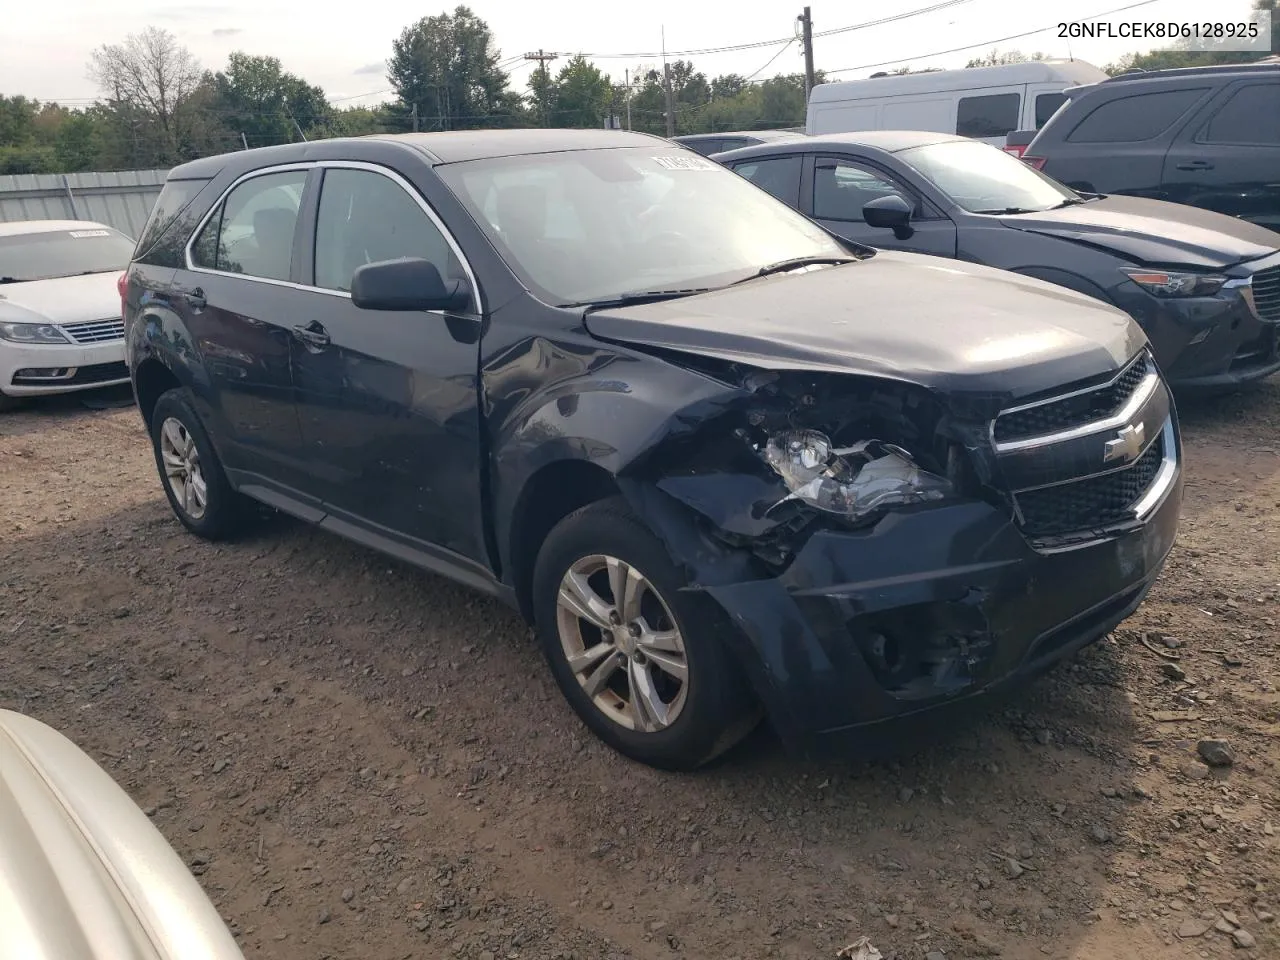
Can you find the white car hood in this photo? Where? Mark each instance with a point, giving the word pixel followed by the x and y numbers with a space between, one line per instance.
pixel 62 299
pixel 83 872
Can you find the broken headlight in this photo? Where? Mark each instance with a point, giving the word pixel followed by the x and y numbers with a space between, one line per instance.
pixel 851 481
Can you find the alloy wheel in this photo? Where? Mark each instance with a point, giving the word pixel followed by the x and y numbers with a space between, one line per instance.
pixel 622 643
pixel 182 470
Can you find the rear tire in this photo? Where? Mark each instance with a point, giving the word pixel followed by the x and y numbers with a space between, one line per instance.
pixel 628 657
pixel 198 490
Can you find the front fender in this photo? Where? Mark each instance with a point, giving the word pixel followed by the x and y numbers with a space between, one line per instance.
pixel 590 403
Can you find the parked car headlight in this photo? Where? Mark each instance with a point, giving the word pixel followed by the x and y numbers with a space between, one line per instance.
pixel 1165 284
pixel 853 481
pixel 32 333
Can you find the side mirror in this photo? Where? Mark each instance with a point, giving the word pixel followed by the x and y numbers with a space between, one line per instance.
pixel 408 284
pixel 891 212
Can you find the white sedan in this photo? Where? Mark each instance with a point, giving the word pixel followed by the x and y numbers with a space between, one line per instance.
pixel 83 873
pixel 60 324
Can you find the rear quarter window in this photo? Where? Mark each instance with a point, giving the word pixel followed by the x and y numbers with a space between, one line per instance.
pixel 161 244
pixel 988 116
pixel 1132 119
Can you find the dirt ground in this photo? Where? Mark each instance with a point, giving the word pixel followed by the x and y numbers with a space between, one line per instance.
pixel 360 760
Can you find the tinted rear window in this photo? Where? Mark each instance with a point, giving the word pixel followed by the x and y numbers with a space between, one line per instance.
pixel 175 197
pixel 1047 105
pixel 1252 115
pixel 1143 116
pixel 990 116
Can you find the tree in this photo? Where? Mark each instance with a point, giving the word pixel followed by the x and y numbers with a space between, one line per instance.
pixel 447 67
pixel 727 85
pixel 254 96
pixel 996 59
pixel 149 80
pixel 1178 55
pixel 580 95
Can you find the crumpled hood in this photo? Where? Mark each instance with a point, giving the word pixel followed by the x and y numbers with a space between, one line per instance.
pixel 61 300
pixel 941 324
pixel 1154 232
pixel 83 873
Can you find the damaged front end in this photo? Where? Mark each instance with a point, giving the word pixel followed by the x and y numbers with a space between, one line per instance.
pixel 858 533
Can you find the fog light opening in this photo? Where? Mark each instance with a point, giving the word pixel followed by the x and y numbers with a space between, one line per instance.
pixel 887 653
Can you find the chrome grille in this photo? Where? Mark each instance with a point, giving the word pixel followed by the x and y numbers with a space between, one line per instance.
pixel 1091 503
pixel 1266 293
pixel 1073 411
pixel 95 331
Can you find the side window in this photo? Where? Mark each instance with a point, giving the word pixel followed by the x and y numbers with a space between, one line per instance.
pixel 841 188
pixel 989 116
pixel 1252 115
pixel 779 176
pixel 1133 119
pixel 251 232
pixel 733 143
pixel 365 217
pixel 1047 105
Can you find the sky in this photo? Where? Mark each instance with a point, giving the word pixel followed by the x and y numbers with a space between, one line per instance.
pixel 342 46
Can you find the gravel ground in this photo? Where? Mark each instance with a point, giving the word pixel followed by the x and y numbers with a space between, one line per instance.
pixel 360 760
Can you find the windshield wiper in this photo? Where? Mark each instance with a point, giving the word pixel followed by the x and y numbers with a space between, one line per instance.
pixel 1072 202
pixel 794 263
pixel 637 297
pixel 10 280
pixel 1008 211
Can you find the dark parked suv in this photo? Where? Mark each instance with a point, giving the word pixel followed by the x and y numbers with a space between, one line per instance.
pixel 1206 136
pixel 725 462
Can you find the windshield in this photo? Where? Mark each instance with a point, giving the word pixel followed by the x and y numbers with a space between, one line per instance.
pixel 592 225
pixel 43 255
pixel 984 179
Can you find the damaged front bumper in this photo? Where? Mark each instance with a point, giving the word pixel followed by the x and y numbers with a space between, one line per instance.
pixel 927 608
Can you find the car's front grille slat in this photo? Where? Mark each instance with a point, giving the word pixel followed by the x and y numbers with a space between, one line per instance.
pixel 1091 503
pixel 1070 500
pixel 1073 411
pixel 1266 293
pixel 95 331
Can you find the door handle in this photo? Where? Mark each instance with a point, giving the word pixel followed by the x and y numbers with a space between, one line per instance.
pixel 1195 165
pixel 195 298
pixel 313 335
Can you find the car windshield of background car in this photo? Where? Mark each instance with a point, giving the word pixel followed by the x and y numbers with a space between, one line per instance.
pixel 62 253
pixel 981 178
pixel 590 225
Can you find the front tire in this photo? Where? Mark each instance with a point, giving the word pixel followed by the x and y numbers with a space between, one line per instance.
pixel 198 490
pixel 643 663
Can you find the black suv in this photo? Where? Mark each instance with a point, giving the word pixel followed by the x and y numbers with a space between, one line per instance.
pixel 725 462
pixel 1206 136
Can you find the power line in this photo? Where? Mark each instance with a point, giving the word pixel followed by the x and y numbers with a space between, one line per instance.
pixel 986 43
pixel 770 61
pixel 758 44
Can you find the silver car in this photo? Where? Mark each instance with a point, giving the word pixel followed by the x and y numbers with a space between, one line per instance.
pixel 83 872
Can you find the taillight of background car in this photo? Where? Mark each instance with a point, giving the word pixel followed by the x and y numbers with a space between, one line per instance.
pixel 1037 162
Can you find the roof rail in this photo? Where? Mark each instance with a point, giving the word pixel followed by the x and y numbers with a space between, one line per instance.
pixel 1140 74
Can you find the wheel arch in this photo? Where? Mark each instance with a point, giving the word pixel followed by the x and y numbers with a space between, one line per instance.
pixel 550 494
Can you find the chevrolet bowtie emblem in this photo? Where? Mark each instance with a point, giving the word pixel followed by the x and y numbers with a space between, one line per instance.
pixel 1127 445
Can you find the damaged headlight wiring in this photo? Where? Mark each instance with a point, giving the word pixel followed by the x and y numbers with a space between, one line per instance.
pixel 853 482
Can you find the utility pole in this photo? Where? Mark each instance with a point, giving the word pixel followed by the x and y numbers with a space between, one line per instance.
pixel 543 59
pixel 806 38
pixel 244 140
pixel 666 88
pixel 626 74
pixel 415 117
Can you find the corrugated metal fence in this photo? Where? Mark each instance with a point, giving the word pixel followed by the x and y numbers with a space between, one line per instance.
pixel 121 200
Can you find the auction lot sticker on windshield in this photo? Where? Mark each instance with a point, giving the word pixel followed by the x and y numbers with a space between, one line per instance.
pixel 80 234
pixel 684 163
